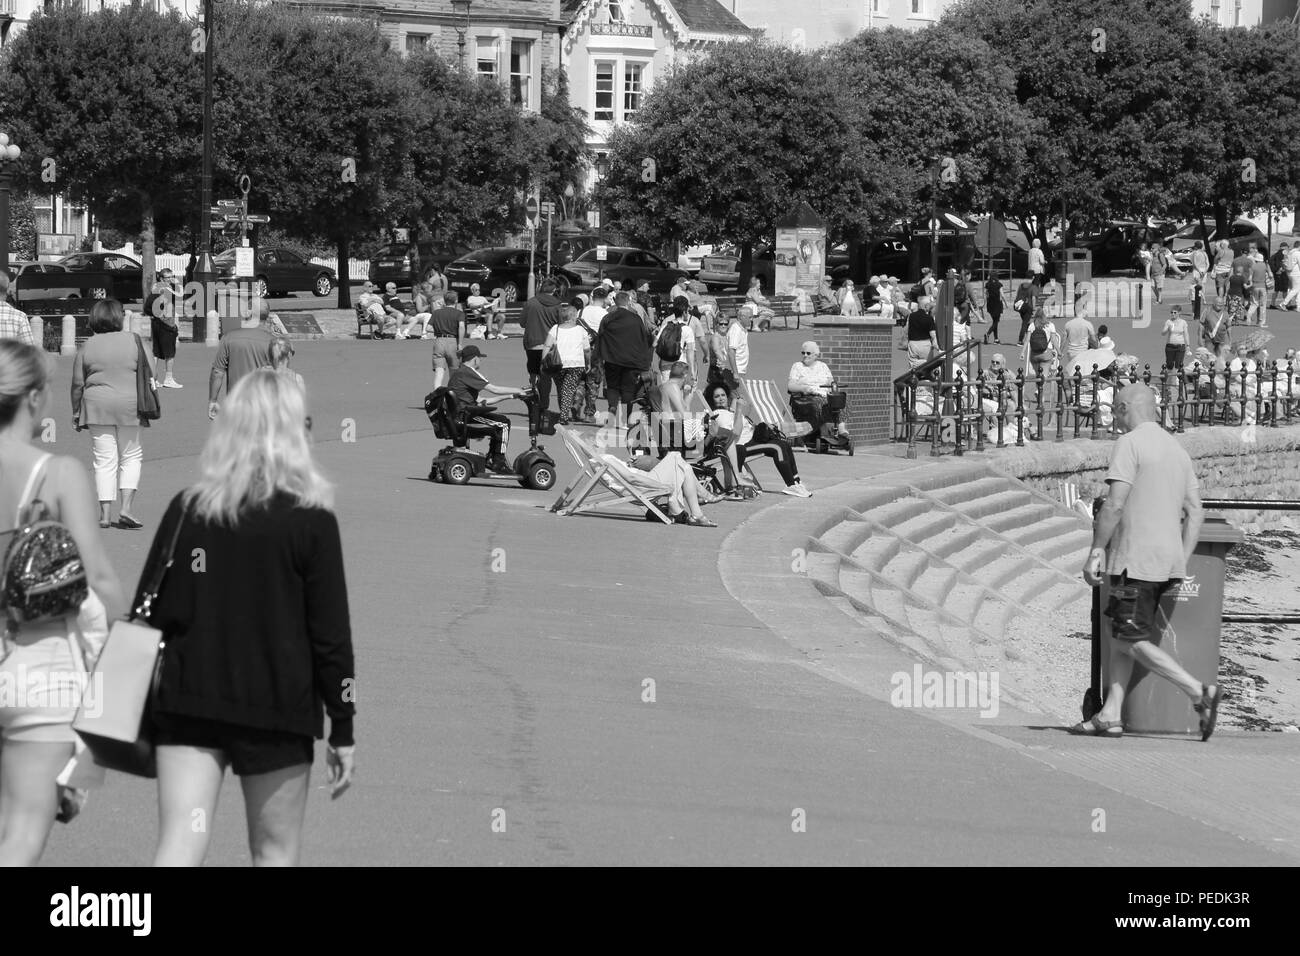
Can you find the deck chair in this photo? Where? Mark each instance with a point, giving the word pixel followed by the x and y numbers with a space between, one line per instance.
pixel 604 482
pixel 768 405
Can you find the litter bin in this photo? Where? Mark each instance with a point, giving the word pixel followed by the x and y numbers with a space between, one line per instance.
pixel 1076 262
pixel 1190 619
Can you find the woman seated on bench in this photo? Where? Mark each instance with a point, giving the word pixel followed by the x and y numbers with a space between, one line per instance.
pixel 757 309
pixel 738 438
pixel 810 384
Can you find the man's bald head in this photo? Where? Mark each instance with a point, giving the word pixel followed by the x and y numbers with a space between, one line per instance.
pixel 1137 404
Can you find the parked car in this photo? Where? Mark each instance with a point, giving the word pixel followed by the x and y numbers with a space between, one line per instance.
pixel 21 268
pixel 691 259
pixel 503 267
pixel 280 271
pixel 565 249
pixel 1242 234
pixel 623 264
pixel 1114 246
pixel 389 264
pixel 127 273
pixel 720 269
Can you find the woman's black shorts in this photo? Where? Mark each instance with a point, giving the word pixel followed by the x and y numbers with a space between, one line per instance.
pixel 250 750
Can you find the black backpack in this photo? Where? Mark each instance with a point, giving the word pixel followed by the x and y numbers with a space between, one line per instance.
pixel 669 346
pixel 1038 342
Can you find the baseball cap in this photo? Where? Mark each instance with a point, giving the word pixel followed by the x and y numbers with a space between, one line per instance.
pixel 470 352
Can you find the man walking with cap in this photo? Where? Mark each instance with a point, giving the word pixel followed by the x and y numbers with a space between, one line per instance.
pixel 1151 522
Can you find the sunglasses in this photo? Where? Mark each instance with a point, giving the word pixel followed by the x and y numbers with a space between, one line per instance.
pixel 807 353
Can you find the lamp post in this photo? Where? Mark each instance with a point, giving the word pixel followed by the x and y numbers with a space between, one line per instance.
pixel 9 153
pixel 460 8
pixel 204 271
pixel 1063 166
pixel 934 217
pixel 602 170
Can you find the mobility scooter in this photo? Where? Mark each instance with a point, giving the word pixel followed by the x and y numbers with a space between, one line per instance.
pixel 457 464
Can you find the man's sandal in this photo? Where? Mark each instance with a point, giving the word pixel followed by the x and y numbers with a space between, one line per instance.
pixel 1096 727
pixel 1208 708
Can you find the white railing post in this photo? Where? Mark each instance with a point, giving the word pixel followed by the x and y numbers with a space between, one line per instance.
pixel 69 344
pixel 213 332
pixel 38 330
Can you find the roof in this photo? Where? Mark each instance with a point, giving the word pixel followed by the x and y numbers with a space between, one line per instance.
pixel 699 16
pixel 708 16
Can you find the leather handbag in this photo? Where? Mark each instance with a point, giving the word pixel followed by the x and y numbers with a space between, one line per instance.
pixel 836 400
pixel 114 717
pixel 147 407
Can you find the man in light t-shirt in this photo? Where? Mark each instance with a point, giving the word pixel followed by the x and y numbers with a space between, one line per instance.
pixel 1144 536
pixel 1079 337
pixel 737 347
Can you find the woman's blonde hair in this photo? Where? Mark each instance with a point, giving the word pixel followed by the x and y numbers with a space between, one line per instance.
pixel 23 369
pixel 259 446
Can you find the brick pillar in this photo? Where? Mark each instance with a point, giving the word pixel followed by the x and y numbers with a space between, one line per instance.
pixel 858 350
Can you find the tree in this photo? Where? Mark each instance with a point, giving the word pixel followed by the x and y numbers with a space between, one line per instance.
pixel 728 144
pixel 323 119
pixel 470 164
pixel 22 227
pixel 1116 90
pixel 556 139
pixel 105 107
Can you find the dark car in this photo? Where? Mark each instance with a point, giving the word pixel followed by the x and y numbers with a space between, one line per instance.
pixel 622 264
pixel 720 269
pixel 504 267
pixel 280 271
pixel 47 272
pixel 564 249
pixel 390 264
pixel 127 274
pixel 1115 246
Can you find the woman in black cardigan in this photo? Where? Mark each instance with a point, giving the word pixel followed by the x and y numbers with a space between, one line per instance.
pixel 258 642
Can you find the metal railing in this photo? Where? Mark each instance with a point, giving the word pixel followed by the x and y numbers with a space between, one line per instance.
pixel 1006 406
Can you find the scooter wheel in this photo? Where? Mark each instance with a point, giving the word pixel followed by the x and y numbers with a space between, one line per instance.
pixel 541 476
pixel 457 472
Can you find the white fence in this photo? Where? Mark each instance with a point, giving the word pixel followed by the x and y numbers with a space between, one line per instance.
pixel 358 269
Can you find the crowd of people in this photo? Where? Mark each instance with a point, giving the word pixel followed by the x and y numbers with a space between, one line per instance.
pixel 235 689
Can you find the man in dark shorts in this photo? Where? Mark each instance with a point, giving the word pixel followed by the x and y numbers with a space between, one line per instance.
pixel 447 326
pixel 480 421
pixel 1151 521
pixel 625 348
pixel 161 308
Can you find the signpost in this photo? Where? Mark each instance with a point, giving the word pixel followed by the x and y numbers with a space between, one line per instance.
pixel 549 209
pixel 602 255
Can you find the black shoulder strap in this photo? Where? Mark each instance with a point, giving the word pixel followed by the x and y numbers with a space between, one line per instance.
pixel 158 570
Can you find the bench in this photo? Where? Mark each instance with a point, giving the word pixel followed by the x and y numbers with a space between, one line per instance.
pixel 782 307
pixel 376 325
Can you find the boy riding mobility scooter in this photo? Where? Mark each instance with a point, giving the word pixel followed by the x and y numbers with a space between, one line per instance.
pixel 457 464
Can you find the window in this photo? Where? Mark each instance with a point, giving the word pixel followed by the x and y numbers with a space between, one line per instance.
pixel 486 58
pixel 632 89
pixel 615 11
pixel 416 43
pixel 918 8
pixel 1215 12
pixel 521 73
pixel 604 92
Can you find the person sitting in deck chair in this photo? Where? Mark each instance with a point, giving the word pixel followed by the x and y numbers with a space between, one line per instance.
pixel 738 438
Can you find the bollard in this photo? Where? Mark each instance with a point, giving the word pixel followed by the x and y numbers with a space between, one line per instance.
pixel 38 330
pixel 212 334
pixel 69 344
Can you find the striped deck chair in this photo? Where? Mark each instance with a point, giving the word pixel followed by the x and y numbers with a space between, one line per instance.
pixel 605 482
pixel 768 404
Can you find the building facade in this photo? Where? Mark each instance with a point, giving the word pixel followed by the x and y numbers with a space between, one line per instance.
pixel 815 23
pixel 511 41
pixel 614 51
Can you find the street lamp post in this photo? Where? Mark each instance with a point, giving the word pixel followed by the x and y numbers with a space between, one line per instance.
pixel 204 271
pixel 934 218
pixel 461 10
pixel 9 152
pixel 602 170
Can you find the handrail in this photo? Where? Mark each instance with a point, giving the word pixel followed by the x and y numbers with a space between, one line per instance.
pixel 1265 396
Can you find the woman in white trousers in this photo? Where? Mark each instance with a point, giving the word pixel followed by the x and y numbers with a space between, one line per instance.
pixel 104 403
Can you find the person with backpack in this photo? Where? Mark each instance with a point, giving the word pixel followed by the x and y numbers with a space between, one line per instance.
pixel 675 342
pixel 36 735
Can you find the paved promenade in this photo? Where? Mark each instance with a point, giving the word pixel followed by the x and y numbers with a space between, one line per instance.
pixel 504 654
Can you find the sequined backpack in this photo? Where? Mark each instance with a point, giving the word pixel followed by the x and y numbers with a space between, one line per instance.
pixel 43 576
